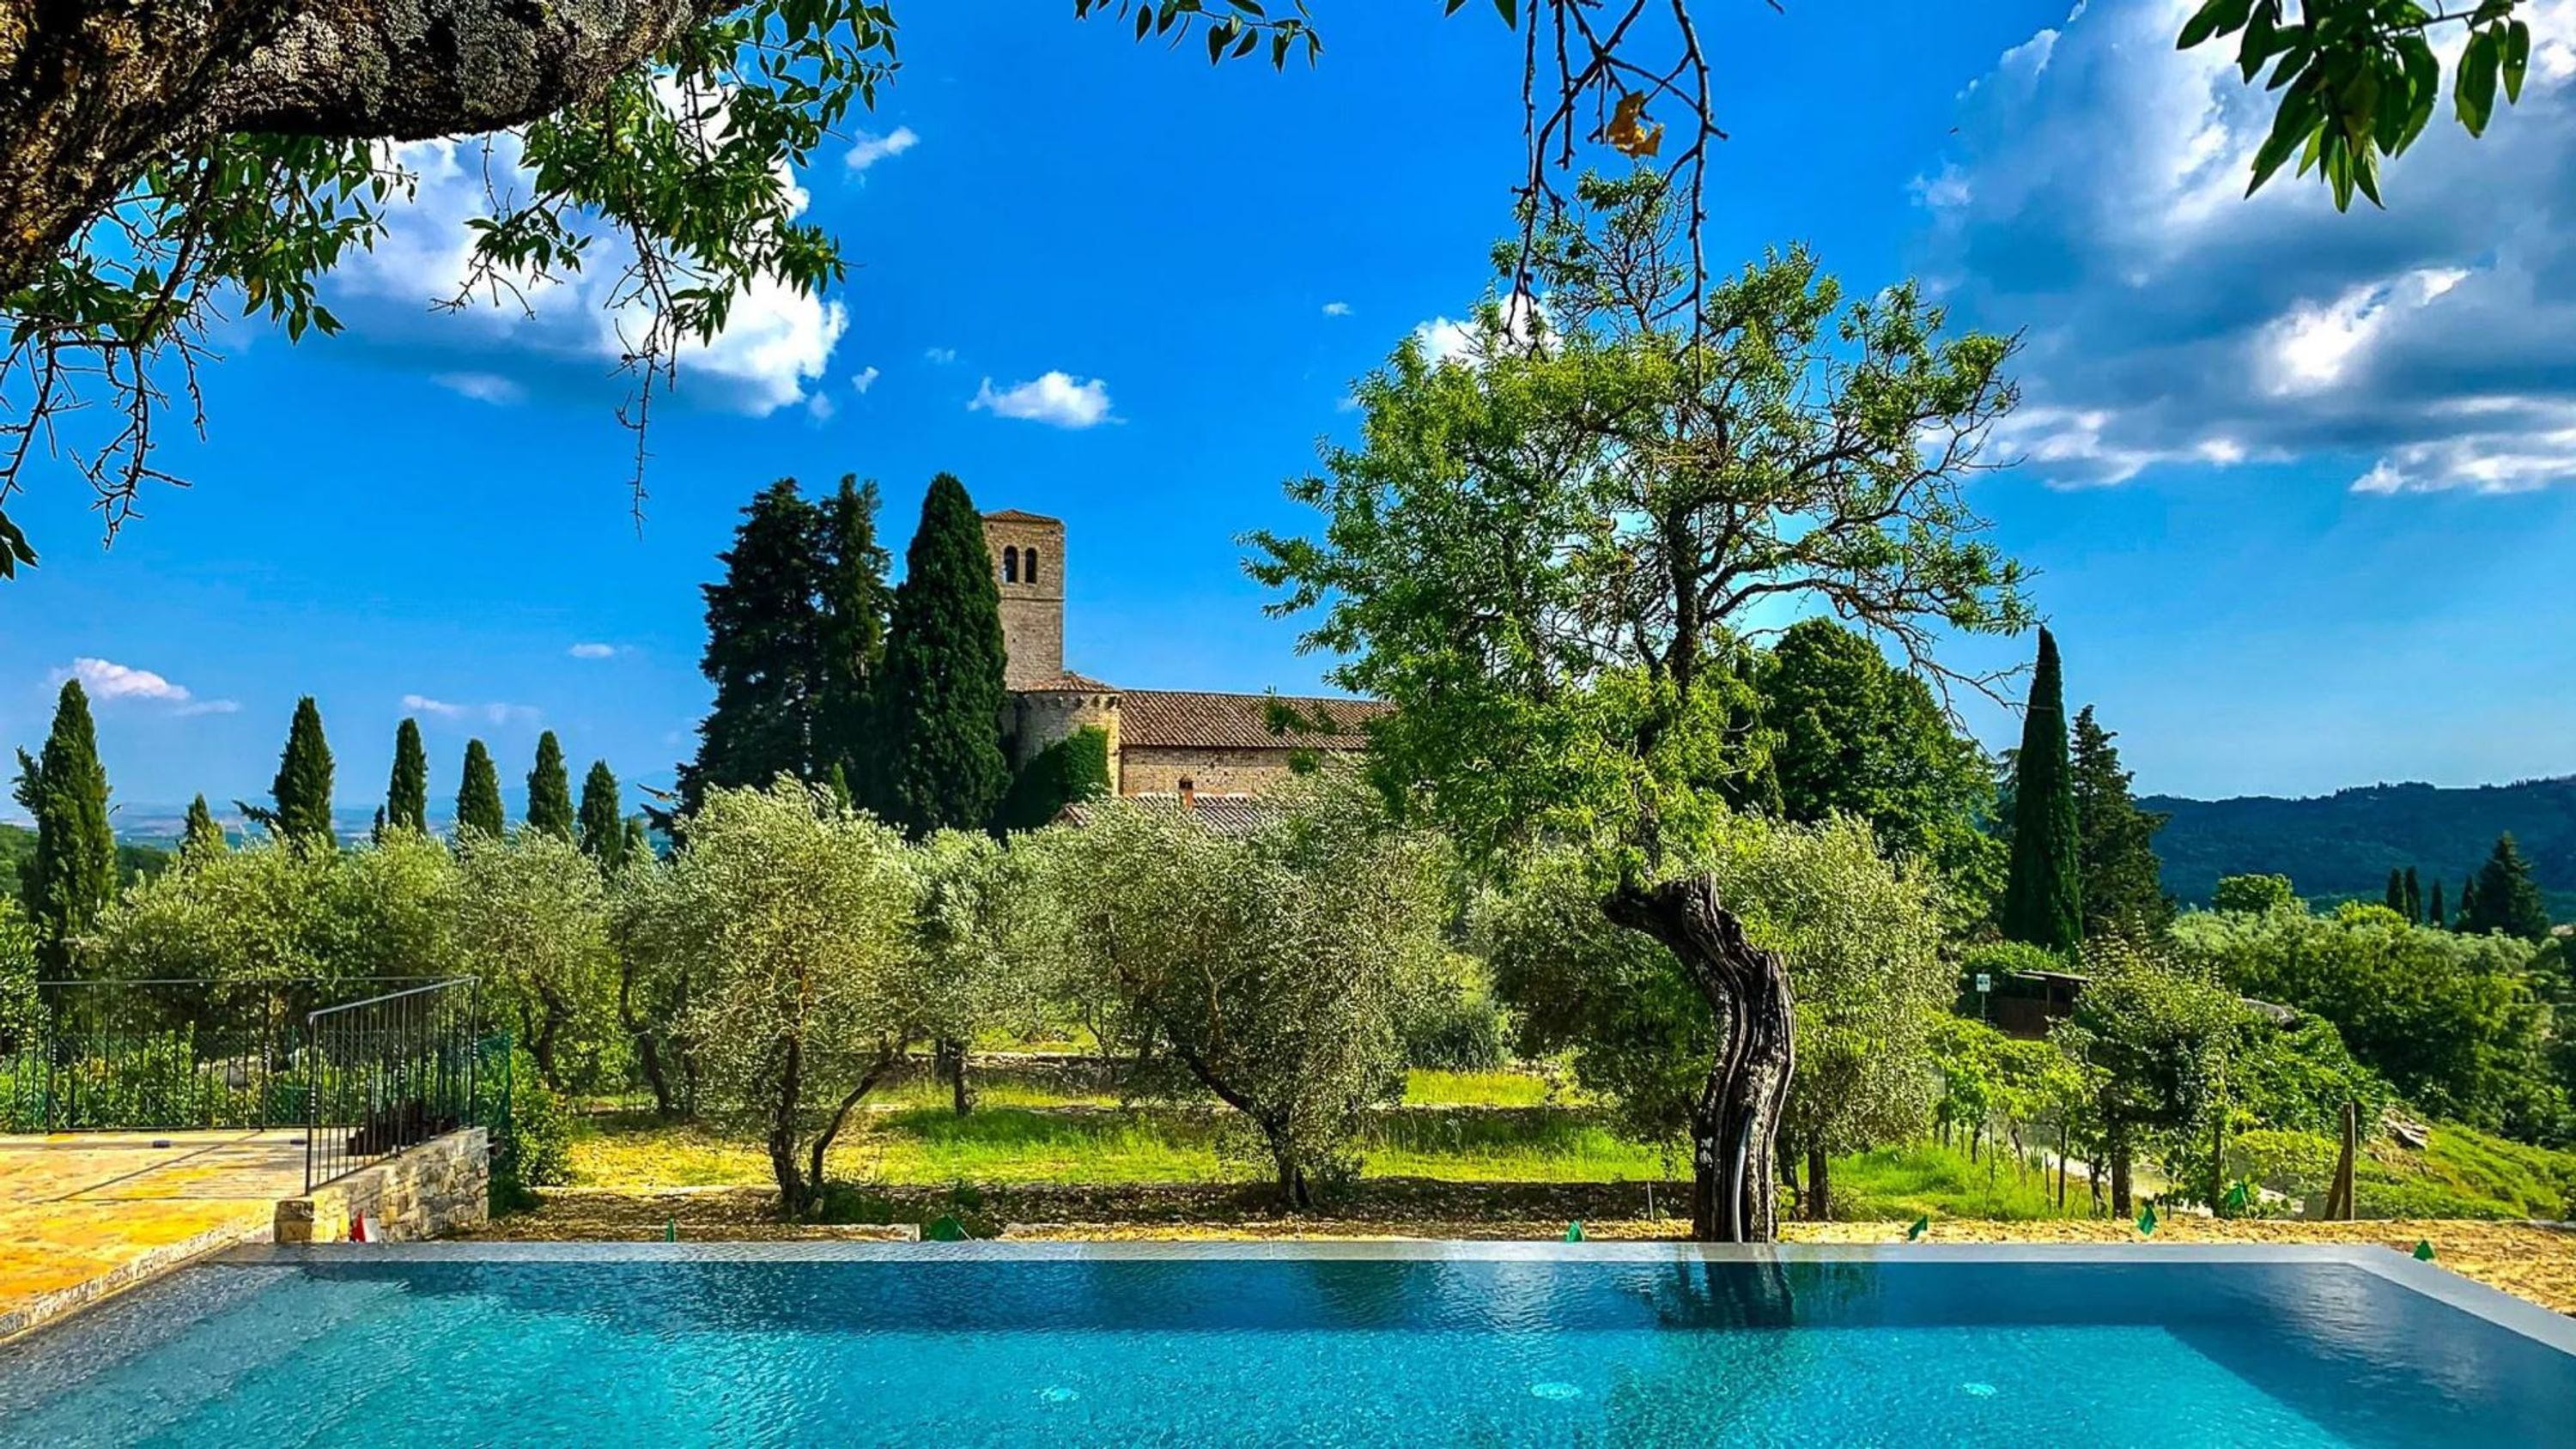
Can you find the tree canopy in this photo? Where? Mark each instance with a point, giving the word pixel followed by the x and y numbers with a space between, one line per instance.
pixel 2044 893
pixel 939 707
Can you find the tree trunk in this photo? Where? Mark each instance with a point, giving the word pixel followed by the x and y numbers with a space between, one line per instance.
pixel 1735 1125
pixel 1820 1203
pixel 792 1194
pixel 2120 1178
pixel 90 94
pixel 2339 1197
pixel 948 1062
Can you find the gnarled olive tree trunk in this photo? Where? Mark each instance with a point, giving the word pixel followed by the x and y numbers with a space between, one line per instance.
pixel 1736 1122
pixel 92 91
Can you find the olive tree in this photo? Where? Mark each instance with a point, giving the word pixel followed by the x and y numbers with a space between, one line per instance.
pixel 1858 936
pixel 1550 552
pixel 532 922
pixel 1273 965
pixel 981 942
pixel 789 918
pixel 269 913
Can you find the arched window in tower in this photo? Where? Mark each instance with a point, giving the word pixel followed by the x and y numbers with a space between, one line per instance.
pixel 1010 565
pixel 1029 566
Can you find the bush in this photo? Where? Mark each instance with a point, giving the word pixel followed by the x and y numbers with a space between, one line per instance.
pixel 2259 894
pixel 1456 1027
pixel 531 1138
pixel 1073 769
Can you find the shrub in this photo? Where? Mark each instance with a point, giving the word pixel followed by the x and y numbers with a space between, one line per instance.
pixel 531 1138
pixel 1456 1028
pixel 1073 769
pixel 2259 894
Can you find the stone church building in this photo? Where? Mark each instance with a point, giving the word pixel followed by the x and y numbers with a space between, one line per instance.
pixel 1171 743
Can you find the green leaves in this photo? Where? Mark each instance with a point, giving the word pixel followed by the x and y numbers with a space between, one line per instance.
pixel 2359 79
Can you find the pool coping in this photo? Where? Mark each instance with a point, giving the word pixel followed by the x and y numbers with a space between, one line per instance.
pixel 2527 1319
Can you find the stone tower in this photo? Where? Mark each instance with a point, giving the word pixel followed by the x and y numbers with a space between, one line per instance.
pixel 1028 559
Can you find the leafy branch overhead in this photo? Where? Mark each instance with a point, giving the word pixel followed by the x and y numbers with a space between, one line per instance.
pixel 2359 78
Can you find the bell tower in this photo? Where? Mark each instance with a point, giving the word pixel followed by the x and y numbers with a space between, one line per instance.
pixel 1028 562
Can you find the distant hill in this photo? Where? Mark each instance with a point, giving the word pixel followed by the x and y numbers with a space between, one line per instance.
pixel 2344 844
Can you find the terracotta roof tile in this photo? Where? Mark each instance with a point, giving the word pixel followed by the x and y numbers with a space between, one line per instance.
pixel 1194 720
pixel 1070 682
pixel 1228 814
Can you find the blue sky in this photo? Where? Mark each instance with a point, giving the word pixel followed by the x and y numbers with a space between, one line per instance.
pixel 2298 486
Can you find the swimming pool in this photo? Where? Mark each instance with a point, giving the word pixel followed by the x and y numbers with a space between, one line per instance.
pixel 1457 1343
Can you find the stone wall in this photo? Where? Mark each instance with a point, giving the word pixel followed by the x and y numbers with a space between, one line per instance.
pixel 1159 770
pixel 440 1186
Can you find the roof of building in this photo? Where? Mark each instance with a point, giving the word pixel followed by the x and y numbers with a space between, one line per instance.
pixel 1226 814
pixel 1069 682
pixel 1020 515
pixel 1196 720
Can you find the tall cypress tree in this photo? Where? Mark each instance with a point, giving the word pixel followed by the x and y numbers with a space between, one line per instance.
pixel 2433 915
pixel 855 601
pixel 2507 898
pixel 202 837
pixel 2396 896
pixel 407 792
pixel 2123 882
pixel 73 872
pixel 301 793
pixel 603 824
pixel 941 691
pixel 550 790
pixel 478 799
pixel 2468 905
pixel 2044 894
pixel 2414 897
pixel 764 632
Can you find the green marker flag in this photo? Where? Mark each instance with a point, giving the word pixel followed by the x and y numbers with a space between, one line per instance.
pixel 2423 1250
pixel 2147 1220
pixel 943 1229
pixel 1574 1231
pixel 2235 1201
pixel 1921 1226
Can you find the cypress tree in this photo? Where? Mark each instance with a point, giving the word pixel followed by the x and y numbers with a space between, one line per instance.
pixel 73 871
pixel 2433 916
pixel 603 825
pixel 478 799
pixel 638 844
pixel 764 632
pixel 2468 905
pixel 407 793
pixel 941 689
pixel 550 790
pixel 203 836
pixel 2507 899
pixel 2044 894
pixel 2123 882
pixel 301 793
pixel 855 600
pixel 2396 898
pixel 2414 897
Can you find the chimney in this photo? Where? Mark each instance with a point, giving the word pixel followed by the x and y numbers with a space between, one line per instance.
pixel 1189 794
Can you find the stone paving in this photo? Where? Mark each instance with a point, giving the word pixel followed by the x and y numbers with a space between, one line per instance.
pixel 84 1214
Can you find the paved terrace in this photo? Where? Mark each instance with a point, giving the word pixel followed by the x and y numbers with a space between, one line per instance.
pixel 85 1214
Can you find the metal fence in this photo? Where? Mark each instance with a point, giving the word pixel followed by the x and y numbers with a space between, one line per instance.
pixel 164 1055
pixel 388 1072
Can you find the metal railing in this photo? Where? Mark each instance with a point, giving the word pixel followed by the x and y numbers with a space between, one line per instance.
pixel 387 1073
pixel 164 1054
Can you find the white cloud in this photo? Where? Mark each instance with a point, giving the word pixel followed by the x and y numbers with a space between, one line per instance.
pixel 1337 309
pixel 2094 202
pixel 488 387
pixel 1054 397
pixel 820 407
pixel 871 148
pixel 865 378
pixel 1443 339
pixel 493 713
pixel 594 651
pixel 940 355
pixel 107 681
pixel 560 334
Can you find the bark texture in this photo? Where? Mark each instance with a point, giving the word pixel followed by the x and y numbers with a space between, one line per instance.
pixel 91 91
pixel 1735 1125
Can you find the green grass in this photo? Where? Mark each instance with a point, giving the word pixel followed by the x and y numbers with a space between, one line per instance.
pixel 1903 1183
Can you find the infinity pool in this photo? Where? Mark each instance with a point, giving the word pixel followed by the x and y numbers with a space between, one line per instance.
pixel 1253 1344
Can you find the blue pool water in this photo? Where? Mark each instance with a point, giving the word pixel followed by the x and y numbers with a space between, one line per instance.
pixel 948 1348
